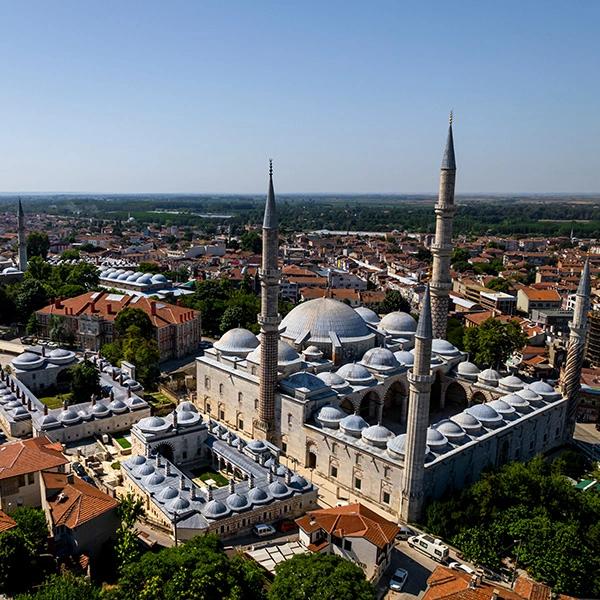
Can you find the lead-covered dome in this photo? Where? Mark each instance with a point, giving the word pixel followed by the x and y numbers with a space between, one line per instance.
pixel 398 322
pixel 334 381
pixel 397 445
pixel 376 435
pixel 545 390
pixel 468 422
pixel 380 359
pixel 330 416
pixel 285 354
pixel 468 370
pixel 444 348
pixel 353 425
pixel 489 377
pixel 511 383
pixel 237 502
pixel 451 430
pixel 485 414
pixel 321 316
pixel 238 341
pixel 367 315
pixel 404 357
pixel 28 361
pixel 355 374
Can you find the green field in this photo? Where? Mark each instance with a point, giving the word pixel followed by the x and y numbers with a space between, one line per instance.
pixel 123 442
pixel 55 401
pixel 210 474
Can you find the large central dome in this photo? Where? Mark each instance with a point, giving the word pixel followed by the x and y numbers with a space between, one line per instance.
pixel 333 327
pixel 320 317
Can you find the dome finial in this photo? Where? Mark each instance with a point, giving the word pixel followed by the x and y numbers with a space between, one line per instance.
pixel 270 167
pixel 451 118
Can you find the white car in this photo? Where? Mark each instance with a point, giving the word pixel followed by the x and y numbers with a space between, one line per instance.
pixel 263 530
pixel 457 566
pixel 398 580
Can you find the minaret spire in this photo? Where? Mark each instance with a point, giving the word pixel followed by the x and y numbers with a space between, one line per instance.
pixel 21 239
pixel 269 318
pixel 571 376
pixel 420 380
pixel 442 246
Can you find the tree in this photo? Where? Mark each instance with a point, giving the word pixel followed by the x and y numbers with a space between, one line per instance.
pixel 492 342
pixel 16 555
pixel 31 296
pixel 251 241
pixel 38 269
pixel 393 301
pixel 460 255
pixel 127 547
pixel 8 310
pixel 38 244
pixel 232 317
pixel 64 587
pixel 85 381
pixel 32 524
pixel 134 317
pixel 83 274
pixel 58 329
pixel 498 284
pixel 71 254
pixel 320 577
pixel 144 354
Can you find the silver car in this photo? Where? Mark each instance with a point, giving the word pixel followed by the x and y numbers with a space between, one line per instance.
pixel 398 580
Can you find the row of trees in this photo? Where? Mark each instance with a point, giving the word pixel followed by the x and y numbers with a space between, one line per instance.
pixel 530 513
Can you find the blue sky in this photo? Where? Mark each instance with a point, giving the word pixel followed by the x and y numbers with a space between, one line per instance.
pixel 346 96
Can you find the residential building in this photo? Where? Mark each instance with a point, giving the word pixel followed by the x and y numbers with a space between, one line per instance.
pixel 353 532
pixel 530 298
pixel 90 319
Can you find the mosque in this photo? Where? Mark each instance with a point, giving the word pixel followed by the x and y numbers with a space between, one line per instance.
pixel 385 409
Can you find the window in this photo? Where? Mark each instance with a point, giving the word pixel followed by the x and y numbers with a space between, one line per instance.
pixel 240 396
pixel 347 545
pixel 289 419
pixel 221 389
pixel 386 497
pixel 256 404
pixel 333 471
pixel 207 383
pixel 283 447
pixel 357 483
pixel 207 407
pixel 240 424
pixel 386 471
pixel 357 459
pixel 333 447
pixel 221 414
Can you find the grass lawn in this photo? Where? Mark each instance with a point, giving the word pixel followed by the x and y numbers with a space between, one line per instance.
pixel 123 442
pixel 209 474
pixel 55 401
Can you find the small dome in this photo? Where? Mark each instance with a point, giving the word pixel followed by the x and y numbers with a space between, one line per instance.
pixel 467 421
pixel 256 446
pixel 178 503
pixel 517 402
pixel 312 353
pixel 154 479
pixel 543 389
pixel 124 276
pixel 398 322
pixel 489 377
pixel 511 383
pixel 145 469
pixel 100 410
pixel 278 489
pixel 186 405
pixel 330 416
pixel 20 413
pixel 69 417
pixel 503 409
pixel 468 370
pixel 436 440
pixel 380 358
pixel 333 380
pixel 355 374
pixel 397 444
pixel 159 278
pixel 145 279
pixel 299 483
pixel 237 341
pixel 377 435
pixel 167 493
pixel 187 417
pixel 530 396
pixel 60 353
pixel 285 354
pixel 49 422
pixel 444 348
pixel 237 502
pixel 117 406
pixel 152 424
pixel 137 460
pixel 28 361
pixel 258 496
pixel 404 357
pixel 216 509
pixel 451 430
pixel 368 316
pixel 485 414
pixel 353 425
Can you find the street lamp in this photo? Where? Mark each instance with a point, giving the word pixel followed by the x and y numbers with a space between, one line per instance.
pixel 514 574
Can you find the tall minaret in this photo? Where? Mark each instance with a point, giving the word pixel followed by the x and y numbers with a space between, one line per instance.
pixel 22 240
pixel 571 377
pixel 417 422
pixel 269 318
pixel 442 246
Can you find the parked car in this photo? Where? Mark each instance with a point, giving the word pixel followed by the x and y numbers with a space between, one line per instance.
pixel 78 468
pixel 405 532
pixel 458 566
pixel 89 480
pixel 263 530
pixel 489 574
pixel 430 546
pixel 398 580
pixel 287 525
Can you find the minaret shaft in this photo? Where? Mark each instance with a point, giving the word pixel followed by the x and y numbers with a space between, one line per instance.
pixel 269 318
pixel 441 249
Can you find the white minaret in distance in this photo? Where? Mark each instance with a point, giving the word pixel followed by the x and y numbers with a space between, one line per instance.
pixel 442 246
pixel 417 422
pixel 22 240
pixel 571 379
pixel 269 318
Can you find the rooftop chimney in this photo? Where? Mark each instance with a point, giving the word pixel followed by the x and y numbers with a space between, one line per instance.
pixel 70 478
pixel 153 308
pixel 495 594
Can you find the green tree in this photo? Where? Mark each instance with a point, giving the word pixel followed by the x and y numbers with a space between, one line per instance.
pixel 492 342
pixel 58 329
pixel 31 296
pixel 455 332
pixel 16 557
pixel 112 352
pixel 498 284
pixel 71 254
pixel 85 381
pixel 8 310
pixel 320 577
pixel 127 546
pixel 64 587
pixel 144 354
pixel 32 524
pixel 251 241
pixel 393 301
pixel 134 317
pixel 38 244
pixel 38 269
pixel 232 317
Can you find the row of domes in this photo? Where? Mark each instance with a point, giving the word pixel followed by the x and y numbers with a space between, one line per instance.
pixel 133 276
pixel 29 361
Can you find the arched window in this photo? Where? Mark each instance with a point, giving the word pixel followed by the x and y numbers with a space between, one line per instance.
pixel 240 397
pixel 221 389
pixel 207 382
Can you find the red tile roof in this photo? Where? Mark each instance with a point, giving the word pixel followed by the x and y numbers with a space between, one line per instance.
pixel 30 456
pixel 6 522
pixel 541 295
pixel 354 520
pixel 76 502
